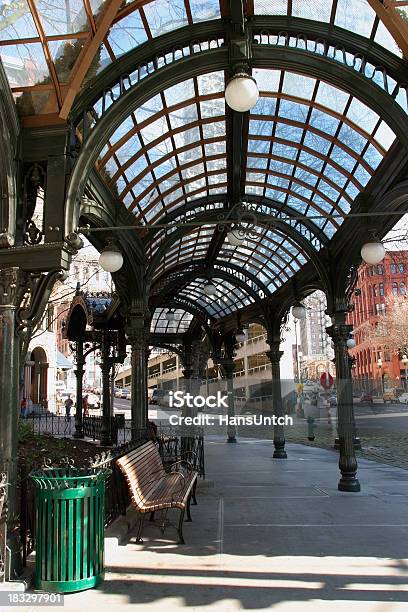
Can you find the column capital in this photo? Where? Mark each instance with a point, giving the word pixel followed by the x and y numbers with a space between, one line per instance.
pixel 136 331
pixel 339 333
pixel 12 281
pixel 227 366
pixel 274 354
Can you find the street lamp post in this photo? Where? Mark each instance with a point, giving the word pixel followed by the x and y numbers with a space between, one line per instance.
pixel 405 364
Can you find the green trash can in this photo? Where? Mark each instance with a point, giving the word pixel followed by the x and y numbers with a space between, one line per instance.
pixel 69 535
pixel 120 419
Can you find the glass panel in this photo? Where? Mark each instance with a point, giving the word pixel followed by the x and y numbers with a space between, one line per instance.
pixel 384 38
pixel 165 15
pixel 266 7
pixel 62 16
pixel 298 85
pixel 333 98
pixel 205 10
pixel 25 65
pixel 384 135
pixel 319 10
pixel 149 108
pixel 180 92
pixel 267 80
pixel 64 54
pixel 16 21
pixel 355 15
pixel 362 115
pixel 212 82
pixel 128 33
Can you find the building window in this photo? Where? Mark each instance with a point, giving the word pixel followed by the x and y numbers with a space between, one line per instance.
pixel 381 288
pixel 380 269
pixel 375 290
pixel 393 268
pixel 403 290
pixel 377 309
pixel 401 267
pixel 382 309
pixel 394 288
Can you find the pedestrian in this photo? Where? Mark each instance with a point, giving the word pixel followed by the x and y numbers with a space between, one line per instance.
pixel 23 408
pixel 68 405
pixel 85 406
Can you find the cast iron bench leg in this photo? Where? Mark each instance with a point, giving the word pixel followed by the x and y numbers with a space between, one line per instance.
pixel 194 492
pixel 180 527
pixel 140 528
pixel 189 519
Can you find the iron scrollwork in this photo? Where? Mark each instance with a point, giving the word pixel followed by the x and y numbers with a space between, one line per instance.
pixel 34 183
pixel 239 220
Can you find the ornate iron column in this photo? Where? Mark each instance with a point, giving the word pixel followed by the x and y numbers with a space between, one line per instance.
pixel 340 332
pixel 188 369
pixel 106 366
pixel 79 374
pixel 10 285
pixel 225 359
pixel 356 439
pixel 136 334
pixel 274 355
pixel 228 368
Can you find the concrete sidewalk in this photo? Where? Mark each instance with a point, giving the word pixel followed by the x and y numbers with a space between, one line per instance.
pixel 270 534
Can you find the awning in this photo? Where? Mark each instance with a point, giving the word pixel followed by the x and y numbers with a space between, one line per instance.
pixel 63 362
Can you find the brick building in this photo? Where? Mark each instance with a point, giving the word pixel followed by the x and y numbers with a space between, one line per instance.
pixel 376 288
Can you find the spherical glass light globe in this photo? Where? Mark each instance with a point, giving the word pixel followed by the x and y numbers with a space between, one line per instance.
pixel 298 311
pixel 170 316
pixel 236 237
pixel 111 259
pixel 373 252
pixel 210 289
pixel 351 343
pixel 241 93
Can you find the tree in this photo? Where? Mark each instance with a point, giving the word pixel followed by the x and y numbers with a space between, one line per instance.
pixel 392 327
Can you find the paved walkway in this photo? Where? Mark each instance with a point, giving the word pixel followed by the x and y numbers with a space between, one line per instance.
pixel 270 535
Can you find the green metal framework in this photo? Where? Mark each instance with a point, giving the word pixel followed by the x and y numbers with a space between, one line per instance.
pixel 153 149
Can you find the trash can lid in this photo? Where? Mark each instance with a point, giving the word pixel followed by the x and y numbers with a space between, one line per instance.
pixel 69 477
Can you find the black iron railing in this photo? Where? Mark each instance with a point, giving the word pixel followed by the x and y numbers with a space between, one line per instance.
pixel 101 428
pixel 52 424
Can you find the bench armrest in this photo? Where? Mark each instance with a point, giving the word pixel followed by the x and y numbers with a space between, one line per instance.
pixel 189 465
pixel 183 482
pixel 188 453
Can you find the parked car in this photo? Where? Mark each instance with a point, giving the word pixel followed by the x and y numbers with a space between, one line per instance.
pixel 117 392
pixel 333 400
pixel 93 401
pixel 389 395
pixel 160 397
pixel 366 398
pixel 126 394
pixel 403 398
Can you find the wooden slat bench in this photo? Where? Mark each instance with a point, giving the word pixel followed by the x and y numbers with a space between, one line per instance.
pixel 152 488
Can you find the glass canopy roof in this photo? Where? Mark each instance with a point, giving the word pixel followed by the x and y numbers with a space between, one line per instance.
pixel 355 15
pixel 309 148
pixel 180 324
pixel 42 43
pixel 227 300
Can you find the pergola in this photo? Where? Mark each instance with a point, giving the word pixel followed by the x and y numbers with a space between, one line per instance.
pixel 113 124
